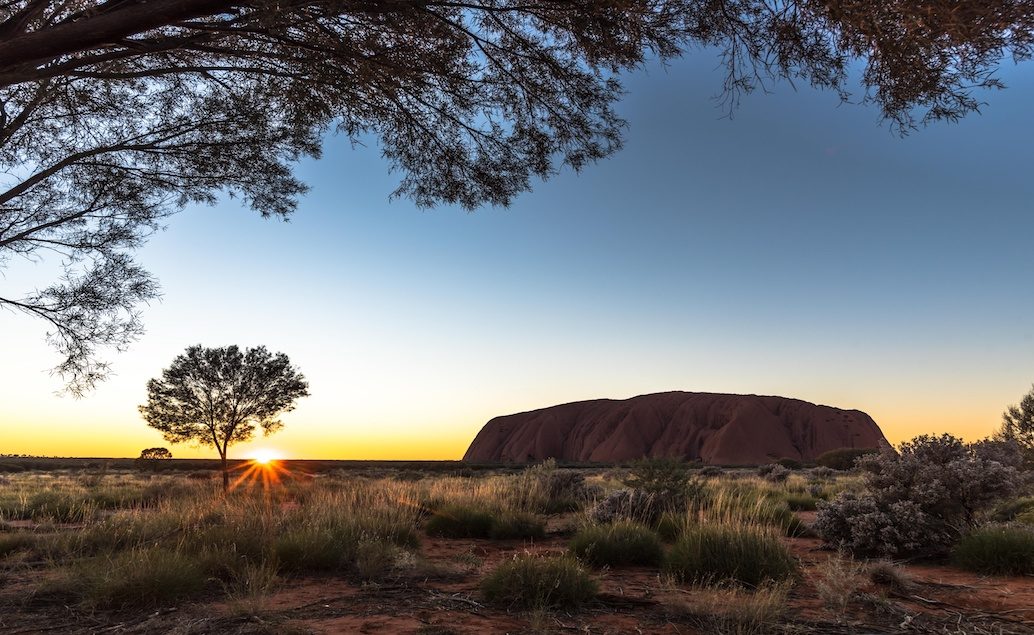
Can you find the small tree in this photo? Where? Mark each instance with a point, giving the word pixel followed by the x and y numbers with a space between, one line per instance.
pixel 219 396
pixel 150 457
pixel 1018 426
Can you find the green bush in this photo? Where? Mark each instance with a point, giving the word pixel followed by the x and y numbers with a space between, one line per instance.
pixel 745 554
pixel 459 521
pixel 668 480
pixel 617 544
pixel 512 525
pixel 997 549
pixel 843 458
pixel 536 582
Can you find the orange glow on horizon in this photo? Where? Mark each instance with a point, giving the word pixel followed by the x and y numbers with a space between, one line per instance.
pixel 266 471
pixel 265 456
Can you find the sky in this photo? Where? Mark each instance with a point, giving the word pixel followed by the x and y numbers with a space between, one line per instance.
pixel 800 248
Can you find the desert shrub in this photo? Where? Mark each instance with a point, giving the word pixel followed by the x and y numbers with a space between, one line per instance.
pixel 821 473
pixel 459 521
pixel 997 549
pixel 547 489
pixel 766 469
pixel 801 502
pixel 566 491
pixel 917 502
pixel 618 544
pixel 843 458
pixel 537 582
pixel 668 480
pixel 790 464
pixel 744 554
pixel 1005 451
pixel 710 471
pixel 627 504
pixel 778 474
pixel 514 524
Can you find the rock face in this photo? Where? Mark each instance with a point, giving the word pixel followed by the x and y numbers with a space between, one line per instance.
pixel 714 428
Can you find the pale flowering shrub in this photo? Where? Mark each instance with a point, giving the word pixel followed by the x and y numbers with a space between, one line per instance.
pixel 917 502
pixel 777 474
pixel 627 504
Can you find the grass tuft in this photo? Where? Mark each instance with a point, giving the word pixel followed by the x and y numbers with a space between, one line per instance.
pixel 616 544
pixel 513 525
pixel 539 583
pixel 743 554
pixel 459 521
pixel 997 549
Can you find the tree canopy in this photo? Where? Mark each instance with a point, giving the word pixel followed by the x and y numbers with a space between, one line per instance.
pixel 115 114
pixel 1018 425
pixel 221 396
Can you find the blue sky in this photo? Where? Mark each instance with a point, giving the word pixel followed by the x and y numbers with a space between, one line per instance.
pixel 799 248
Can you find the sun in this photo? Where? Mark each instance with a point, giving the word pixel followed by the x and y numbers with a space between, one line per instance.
pixel 264 456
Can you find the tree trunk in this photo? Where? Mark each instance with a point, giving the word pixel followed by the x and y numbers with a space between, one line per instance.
pixel 226 473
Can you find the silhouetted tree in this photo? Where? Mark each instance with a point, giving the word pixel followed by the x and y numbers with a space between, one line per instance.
pixel 150 457
pixel 116 113
pixel 1018 426
pixel 218 396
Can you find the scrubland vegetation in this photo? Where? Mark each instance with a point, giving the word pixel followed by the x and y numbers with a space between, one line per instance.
pixel 539 549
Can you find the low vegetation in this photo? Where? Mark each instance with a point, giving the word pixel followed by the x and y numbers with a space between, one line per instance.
pixel 843 458
pixel 460 521
pixel 917 502
pixel 737 553
pixel 616 544
pixel 539 582
pixel 98 542
pixel 997 549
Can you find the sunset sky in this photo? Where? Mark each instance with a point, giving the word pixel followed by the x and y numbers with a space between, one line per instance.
pixel 798 249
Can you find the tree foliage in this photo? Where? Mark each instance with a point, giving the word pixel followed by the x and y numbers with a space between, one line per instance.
pixel 1018 426
pixel 155 453
pixel 150 457
pixel 221 396
pixel 116 113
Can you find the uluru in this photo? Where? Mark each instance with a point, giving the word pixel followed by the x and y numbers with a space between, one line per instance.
pixel 713 428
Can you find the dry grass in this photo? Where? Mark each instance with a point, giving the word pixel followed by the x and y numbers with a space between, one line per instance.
pixel 730 611
pixel 838 580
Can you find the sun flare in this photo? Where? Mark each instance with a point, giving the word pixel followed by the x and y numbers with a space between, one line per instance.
pixel 264 457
